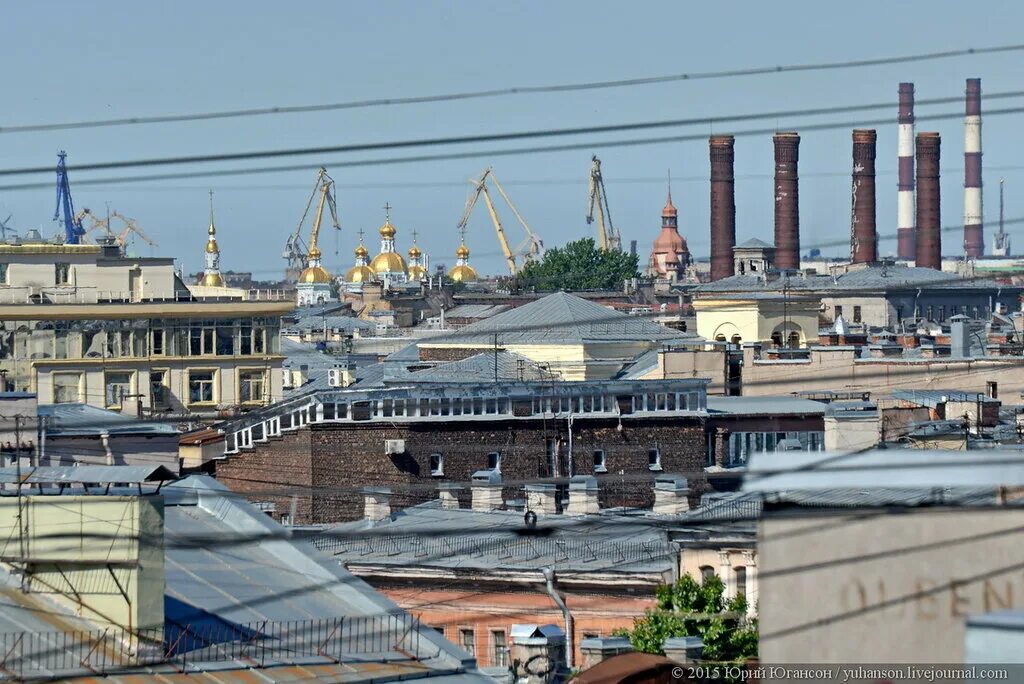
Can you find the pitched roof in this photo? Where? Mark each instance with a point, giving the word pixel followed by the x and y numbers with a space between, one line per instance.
pixel 754 243
pixel 83 420
pixel 483 367
pixel 559 317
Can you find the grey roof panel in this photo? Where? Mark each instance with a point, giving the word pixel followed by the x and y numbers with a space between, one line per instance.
pixel 77 420
pixel 764 406
pixel 87 474
pixel 483 367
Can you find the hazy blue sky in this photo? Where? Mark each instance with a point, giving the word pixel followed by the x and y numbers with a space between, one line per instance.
pixel 85 60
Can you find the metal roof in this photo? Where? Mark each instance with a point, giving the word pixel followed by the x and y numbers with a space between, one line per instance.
pixel 762 406
pixel 559 317
pixel 917 469
pixel 86 474
pixel 476 310
pixel 83 420
pixel 483 367
pixel 754 243
pixel 933 397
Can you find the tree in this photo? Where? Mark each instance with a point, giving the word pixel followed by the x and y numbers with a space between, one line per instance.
pixel 580 265
pixel 691 609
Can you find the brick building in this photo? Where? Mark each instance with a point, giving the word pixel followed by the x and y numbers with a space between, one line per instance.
pixel 413 437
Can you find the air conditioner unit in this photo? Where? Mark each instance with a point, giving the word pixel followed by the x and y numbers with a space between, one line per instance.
pixel 394 446
pixel 334 378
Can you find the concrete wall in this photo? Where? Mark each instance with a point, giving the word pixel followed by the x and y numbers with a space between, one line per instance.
pixel 755 320
pixel 684 363
pixel 884 588
pixel 852 433
pixel 101 555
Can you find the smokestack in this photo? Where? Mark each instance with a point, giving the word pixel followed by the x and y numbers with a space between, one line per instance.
pixel 723 206
pixel 905 238
pixel 863 237
pixel 974 240
pixel 787 201
pixel 929 238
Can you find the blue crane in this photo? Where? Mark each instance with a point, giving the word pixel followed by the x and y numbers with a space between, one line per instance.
pixel 73 230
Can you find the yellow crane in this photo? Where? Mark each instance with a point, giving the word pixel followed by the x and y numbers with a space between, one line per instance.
pixel 130 227
pixel 531 248
pixel 607 237
pixel 97 222
pixel 295 252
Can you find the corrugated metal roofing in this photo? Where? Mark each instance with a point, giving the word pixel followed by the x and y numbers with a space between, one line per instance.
pixel 484 367
pixel 86 474
pixel 83 420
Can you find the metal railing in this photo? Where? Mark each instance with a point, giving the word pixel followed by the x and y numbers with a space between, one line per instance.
pixel 49 655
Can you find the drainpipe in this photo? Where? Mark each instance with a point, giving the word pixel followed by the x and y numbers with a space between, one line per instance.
pixel 105 439
pixel 569 465
pixel 570 644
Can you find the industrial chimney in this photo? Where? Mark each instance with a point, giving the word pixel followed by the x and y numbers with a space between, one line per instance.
pixel 863 236
pixel 929 238
pixel 905 238
pixel 974 240
pixel 787 201
pixel 723 206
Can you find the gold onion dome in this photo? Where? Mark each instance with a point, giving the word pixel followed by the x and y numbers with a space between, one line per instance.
pixel 463 274
pixel 360 273
pixel 388 262
pixel 462 252
pixel 417 272
pixel 414 252
pixel 362 252
pixel 211 242
pixel 212 280
pixel 387 230
pixel 314 274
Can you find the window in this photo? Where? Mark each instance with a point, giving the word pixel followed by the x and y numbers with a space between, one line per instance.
pixel 200 387
pixel 899 314
pixel 158 395
pixel 116 387
pixel 438 628
pixel 467 639
pixel 741 581
pixel 499 649
pixel 437 465
pixel 250 386
pixel 158 342
pixel 654 459
pixel 599 463
pixel 3 274
pixel 942 313
pixel 494 461
pixel 839 310
pixel 856 314
pixel 62 274
pixel 551 456
pixel 67 388
pixel 706 573
pixel 931 313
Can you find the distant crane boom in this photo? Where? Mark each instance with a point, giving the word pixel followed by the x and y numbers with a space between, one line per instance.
pixel 130 226
pixel 73 231
pixel 532 247
pixel 296 253
pixel 607 237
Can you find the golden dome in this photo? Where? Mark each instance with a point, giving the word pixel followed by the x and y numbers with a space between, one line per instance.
pixel 362 252
pixel 360 274
pixel 462 252
pixel 463 274
pixel 387 230
pixel 314 252
pixel 314 274
pixel 417 273
pixel 415 252
pixel 388 262
pixel 212 280
pixel 211 246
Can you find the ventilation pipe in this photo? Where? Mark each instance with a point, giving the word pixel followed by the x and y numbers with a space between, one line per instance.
pixel 570 648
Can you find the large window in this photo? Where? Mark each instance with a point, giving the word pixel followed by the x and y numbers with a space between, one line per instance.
pixel 499 648
pixel 200 387
pixel 467 639
pixel 741 581
pixel 159 397
pixel 706 573
pixel 158 342
pixel 742 444
pixel 62 274
pixel 67 388
pixel 116 386
pixel 856 314
pixel 251 385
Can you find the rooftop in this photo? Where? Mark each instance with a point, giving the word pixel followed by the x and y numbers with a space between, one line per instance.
pixel 764 406
pixel 83 420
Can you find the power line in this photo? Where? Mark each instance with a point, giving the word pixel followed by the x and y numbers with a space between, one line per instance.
pixel 488 137
pixel 450 156
pixel 519 90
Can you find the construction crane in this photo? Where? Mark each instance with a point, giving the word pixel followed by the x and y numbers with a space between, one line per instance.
pixel 530 249
pixel 607 237
pixel 97 222
pixel 296 253
pixel 130 227
pixel 73 230
pixel 5 228
pixel 1001 241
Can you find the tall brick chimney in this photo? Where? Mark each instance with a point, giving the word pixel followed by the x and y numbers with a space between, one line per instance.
pixel 863 236
pixel 929 237
pixel 906 244
pixel 974 240
pixel 723 206
pixel 787 201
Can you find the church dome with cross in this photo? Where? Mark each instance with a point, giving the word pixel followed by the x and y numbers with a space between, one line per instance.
pixel 389 264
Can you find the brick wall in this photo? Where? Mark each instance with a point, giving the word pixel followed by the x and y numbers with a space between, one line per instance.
pixel 450 353
pixel 281 463
pixel 349 457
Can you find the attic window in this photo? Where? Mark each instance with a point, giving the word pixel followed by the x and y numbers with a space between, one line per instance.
pixel 437 465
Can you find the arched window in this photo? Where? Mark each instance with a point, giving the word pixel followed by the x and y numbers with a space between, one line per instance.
pixel 794 340
pixel 719 338
pixel 706 572
pixel 776 339
pixel 736 339
pixel 741 581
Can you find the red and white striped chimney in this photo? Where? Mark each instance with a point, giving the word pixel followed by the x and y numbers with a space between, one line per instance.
pixel 906 244
pixel 974 240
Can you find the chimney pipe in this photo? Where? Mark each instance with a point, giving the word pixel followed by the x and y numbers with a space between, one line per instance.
pixel 863 236
pixel 723 206
pixel 906 245
pixel 929 237
pixel 787 201
pixel 974 240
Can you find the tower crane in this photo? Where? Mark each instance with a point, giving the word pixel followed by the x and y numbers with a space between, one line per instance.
pixel 5 228
pixel 296 253
pixel 73 230
pixel 130 226
pixel 530 249
pixel 607 237
pixel 97 222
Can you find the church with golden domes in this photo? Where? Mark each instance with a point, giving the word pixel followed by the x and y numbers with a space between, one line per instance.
pixel 389 266
pixel 462 272
pixel 417 269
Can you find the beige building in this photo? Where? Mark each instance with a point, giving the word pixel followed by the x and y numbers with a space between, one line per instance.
pixel 768 317
pixel 84 323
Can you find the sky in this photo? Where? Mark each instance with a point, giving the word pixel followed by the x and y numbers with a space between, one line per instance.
pixel 67 61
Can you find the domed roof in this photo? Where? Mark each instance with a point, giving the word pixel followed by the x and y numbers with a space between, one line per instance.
pixel 670 242
pixel 463 274
pixel 212 280
pixel 314 252
pixel 387 230
pixel 670 209
pixel 361 251
pixel 415 252
pixel 417 273
pixel 388 262
pixel 314 274
pixel 462 252
pixel 360 274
